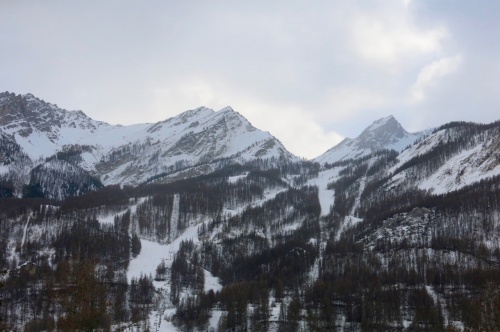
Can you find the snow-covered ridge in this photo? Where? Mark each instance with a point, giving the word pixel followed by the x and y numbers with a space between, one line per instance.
pixel 132 154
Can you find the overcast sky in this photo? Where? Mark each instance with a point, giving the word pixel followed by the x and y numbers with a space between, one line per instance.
pixel 309 72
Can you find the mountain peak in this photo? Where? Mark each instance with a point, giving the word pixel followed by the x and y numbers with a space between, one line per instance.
pixel 386 123
pixel 30 96
pixel 384 133
pixel 227 109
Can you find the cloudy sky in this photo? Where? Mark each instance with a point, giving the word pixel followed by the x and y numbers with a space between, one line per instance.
pixel 311 73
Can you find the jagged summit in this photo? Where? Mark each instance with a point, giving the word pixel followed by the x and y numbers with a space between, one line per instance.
pixel 384 133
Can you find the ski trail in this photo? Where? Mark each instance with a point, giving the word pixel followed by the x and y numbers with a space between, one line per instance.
pixel 351 219
pixel 357 202
pixel 145 264
pixel 174 218
pixel 134 223
pixel 440 302
pixel 24 233
pixel 362 186
pixel 326 196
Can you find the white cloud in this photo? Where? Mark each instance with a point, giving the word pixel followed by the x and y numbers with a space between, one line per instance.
pixel 291 68
pixel 296 128
pixel 431 73
pixel 391 36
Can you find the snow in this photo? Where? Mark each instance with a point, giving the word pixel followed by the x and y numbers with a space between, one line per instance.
pixel 464 168
pixel 268 195
pixel 211 282
pixel 109 219
pixel 152 253
pixel 357 202
pixel 439 301
pixel 146 262
pixel 343 150
pixel 292 227
pixel 458 171
pixel 275 310
pixel 417 149
pixel 36 145
pixel 4 169
pixel 25 231
pixel 236 178
pixel 380 123
pixel 160 324
pixel 326 196
pixel 313 274
pixel 213 322
pixel 348 222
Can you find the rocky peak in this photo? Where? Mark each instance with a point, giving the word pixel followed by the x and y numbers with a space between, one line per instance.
pixel 383 132
pixel 23 114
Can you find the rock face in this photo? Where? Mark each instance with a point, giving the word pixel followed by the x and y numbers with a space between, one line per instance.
pixel 25 114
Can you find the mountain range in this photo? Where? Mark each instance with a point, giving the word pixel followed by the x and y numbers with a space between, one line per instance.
pixel 204 222
pixel 194 142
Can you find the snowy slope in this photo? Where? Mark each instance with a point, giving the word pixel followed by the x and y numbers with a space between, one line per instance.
pixel 195 137
pixel 450 159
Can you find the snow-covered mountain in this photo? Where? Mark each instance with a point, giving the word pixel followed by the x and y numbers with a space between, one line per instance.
pixel 132 154
pixel 386 133
pixel 193 138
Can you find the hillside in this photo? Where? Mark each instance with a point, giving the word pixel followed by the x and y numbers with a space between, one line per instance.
pixel 389 231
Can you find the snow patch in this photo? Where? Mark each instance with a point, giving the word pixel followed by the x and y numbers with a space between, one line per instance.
pixel 236 178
